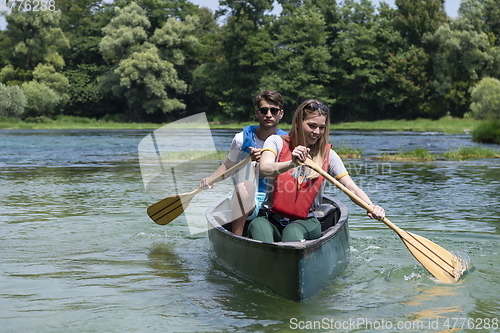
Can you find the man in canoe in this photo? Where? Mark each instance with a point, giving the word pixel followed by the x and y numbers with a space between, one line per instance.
pixel 287 213
pixel 246 199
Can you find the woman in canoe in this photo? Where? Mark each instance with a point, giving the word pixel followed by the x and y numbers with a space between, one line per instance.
pixel 295 191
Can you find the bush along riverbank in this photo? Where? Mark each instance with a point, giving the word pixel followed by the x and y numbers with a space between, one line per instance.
pixel 487 131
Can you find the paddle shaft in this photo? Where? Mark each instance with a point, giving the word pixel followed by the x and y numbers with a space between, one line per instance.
pixel 357 200
pixel 166 210
pixel 220 177
pixel 231 170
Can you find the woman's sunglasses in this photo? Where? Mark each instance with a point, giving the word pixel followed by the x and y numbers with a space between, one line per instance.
pixel 274 111
pixel 315 107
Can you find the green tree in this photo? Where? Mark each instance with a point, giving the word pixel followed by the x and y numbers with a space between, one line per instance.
pixel 483 16
pixel 485 97
pixel 300 56
pixel 177 43
pixel 40 99
pixel 414 19
pixel 407 84
pixel 126 32
pixel 35 62
pixel 35 37
pixel 492 20
pixel 473 12
pixel 244 49
pixel 48 75
pixel 359 57
pixel 4 43
pixel 401 92
pixel 461 57
pixel 82 22
pixel 201 67
pixel 252 10
pixel 14 76
pixel 159 11
pixel 138 73
pixel 85 99
pixel 12 101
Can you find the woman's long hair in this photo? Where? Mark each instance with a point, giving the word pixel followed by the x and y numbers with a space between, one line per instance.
pixel 297 136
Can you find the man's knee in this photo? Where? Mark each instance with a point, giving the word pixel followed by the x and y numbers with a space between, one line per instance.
pixel 245 189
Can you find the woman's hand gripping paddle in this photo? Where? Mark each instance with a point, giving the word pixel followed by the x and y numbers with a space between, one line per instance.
pixel 441 263
pixel 168 209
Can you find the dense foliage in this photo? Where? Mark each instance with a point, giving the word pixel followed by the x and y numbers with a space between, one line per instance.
pixel 153 60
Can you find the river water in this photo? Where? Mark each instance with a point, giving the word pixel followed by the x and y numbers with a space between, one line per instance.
pixel 79 253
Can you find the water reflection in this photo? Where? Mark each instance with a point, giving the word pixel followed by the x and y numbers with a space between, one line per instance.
pixel 166 263
pixel 430 316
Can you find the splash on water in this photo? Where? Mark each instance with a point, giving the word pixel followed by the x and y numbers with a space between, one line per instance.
pixel 462 264
pixel 412 276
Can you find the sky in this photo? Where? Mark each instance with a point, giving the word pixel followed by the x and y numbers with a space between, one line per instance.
pixel 451 7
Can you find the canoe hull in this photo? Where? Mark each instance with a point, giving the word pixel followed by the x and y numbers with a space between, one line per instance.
pixel 294 270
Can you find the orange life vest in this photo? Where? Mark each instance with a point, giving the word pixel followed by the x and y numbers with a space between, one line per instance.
pixel 294 194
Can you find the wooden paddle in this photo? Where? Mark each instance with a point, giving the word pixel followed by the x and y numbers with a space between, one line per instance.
pixel 441 263
pixel 168 209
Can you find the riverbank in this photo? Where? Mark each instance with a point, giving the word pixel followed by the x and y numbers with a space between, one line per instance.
pixel 445 125
pixel 460 154
pixel 417 155
pixel 70 122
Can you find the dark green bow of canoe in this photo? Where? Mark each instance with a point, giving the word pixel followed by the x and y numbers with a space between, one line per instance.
pixel 294 270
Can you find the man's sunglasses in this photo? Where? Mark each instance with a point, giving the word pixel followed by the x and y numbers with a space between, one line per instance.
pixel 315 107
pixel 274 111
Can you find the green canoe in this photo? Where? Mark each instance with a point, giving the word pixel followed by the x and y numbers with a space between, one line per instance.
pixel 294 270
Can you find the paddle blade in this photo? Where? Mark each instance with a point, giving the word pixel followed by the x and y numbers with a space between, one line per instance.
pixel 442 264
pixel 168 209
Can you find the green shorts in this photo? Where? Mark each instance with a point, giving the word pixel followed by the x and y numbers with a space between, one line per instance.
pixel 264 230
